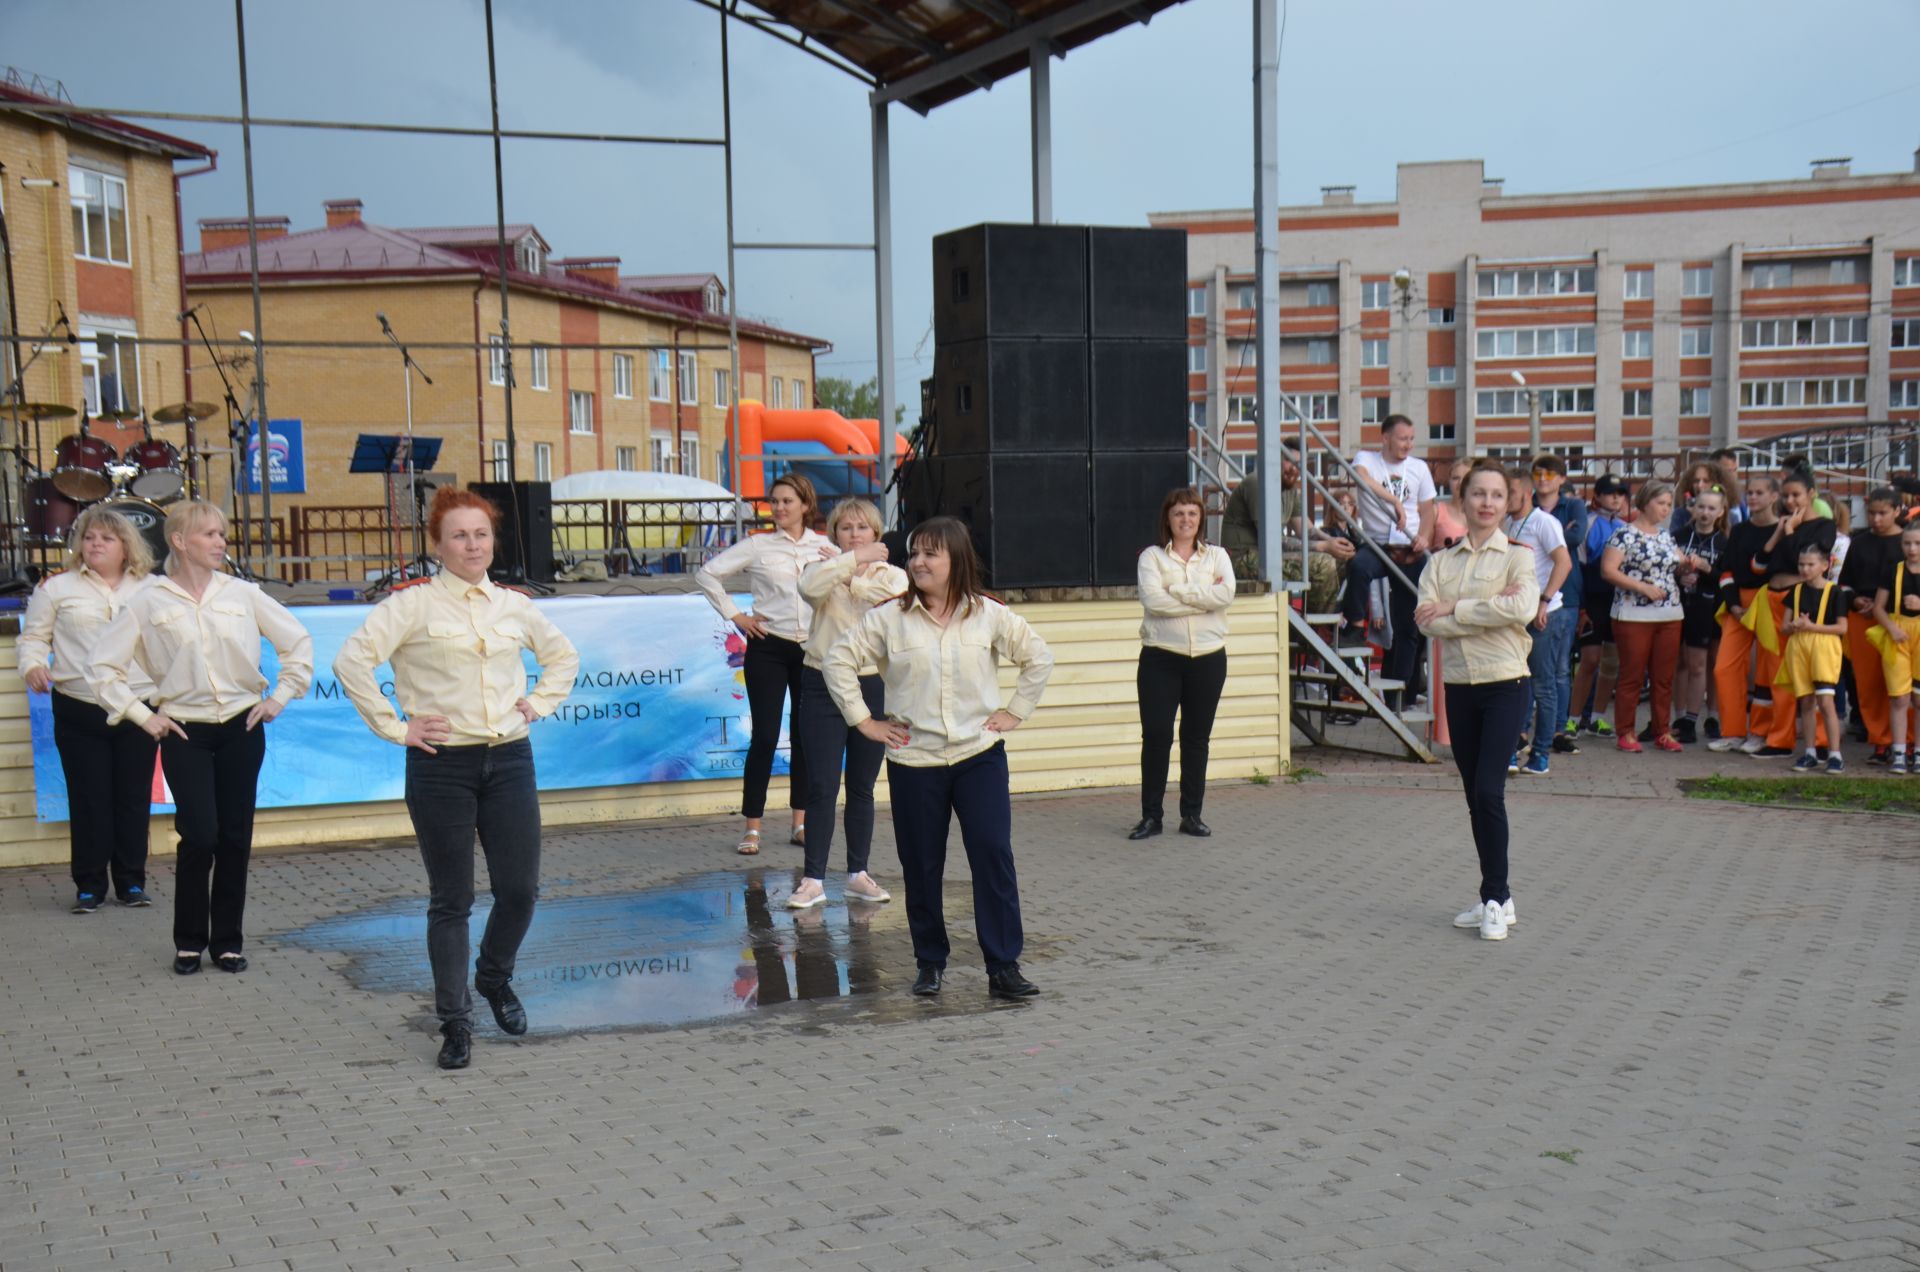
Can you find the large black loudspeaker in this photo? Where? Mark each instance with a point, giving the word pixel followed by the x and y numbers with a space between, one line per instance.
pixel 1011 395
pixel 1137 281
pixel 1028 513
pixel 1139 395
pixel 1010 280
pixel 1127 490
pixel 526 510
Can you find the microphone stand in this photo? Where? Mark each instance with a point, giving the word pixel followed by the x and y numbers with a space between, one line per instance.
pixel 236 426
pixel 419 565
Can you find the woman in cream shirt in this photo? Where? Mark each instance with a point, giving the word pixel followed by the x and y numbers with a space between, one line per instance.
pixel 454 641
pixel 108 767
pixel 196 634
pixel 1185 587
pixel 1478 597
pixel 841 590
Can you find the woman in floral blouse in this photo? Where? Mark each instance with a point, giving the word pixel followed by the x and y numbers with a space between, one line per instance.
pixel 1642 563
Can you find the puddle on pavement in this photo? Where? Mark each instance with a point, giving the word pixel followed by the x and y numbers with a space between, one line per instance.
pixel 702 949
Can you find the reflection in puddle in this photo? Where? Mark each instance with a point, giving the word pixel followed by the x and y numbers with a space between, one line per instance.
pixel 699 949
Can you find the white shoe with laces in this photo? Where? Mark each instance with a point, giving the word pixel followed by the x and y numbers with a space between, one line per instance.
pixel 1723 744
pixel 1754 742
pixel 810 893
pixel 861 887
pixel 1475 917
pixel 1493 921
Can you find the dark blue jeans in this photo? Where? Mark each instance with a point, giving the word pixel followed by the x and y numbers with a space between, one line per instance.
pixel 1549 666
pixel 1484 721
pixel 451 796
pixel 214 773
pixel 824 737
pixel 924 802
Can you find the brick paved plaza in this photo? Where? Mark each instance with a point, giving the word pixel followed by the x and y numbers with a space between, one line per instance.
pixel 1268 1049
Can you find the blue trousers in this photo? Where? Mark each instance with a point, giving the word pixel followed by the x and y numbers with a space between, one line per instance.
pixel 1550 668
pixel 925 799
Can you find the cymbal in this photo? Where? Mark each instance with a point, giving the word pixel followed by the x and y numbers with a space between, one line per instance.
pixel 123 413
pixel 38 410
pixel 209 450
pixel 180 412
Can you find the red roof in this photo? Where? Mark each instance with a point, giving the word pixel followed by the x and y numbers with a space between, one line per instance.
pixel 118 130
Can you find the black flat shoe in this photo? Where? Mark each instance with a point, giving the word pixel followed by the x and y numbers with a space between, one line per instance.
pixel 927 983
pixel 1195 827
pixel 185 965
pixel 235 963
pixel 457 1051
pixel 1147 829
pixel 508 1012
pixel 1008 983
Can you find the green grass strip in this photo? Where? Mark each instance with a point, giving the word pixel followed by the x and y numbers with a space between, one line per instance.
pixel 1849 794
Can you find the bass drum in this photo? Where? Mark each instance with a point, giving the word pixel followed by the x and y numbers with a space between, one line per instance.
pixel 50 514
pixel 80 467
pixel 150 520
pixel 159 478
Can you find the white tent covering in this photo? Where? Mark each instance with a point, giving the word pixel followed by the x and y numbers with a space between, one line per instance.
pixel 665 513
pixel 614 484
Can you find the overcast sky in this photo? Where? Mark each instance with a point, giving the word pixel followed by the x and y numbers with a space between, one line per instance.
pixel 1552 96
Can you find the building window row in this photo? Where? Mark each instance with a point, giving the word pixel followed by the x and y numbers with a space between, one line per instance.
pixel 1802 333
pixel 1533 342
pixel 1773 275
pixel 1763 395
pixel 1319 407
pixel 1571 281
pixel 1489 403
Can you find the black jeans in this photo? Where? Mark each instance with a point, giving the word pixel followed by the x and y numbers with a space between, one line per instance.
pixel 451 795
pixel 109 769
pixel 924 802
pixel 772 670
pixel 1170 682
pixel 215 773
pixel 824 737
pixel 1485 722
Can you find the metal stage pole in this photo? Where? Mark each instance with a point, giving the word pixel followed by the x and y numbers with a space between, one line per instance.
pixel 1266 266
pixel 883 307
pixel 259 395
pixel 733 302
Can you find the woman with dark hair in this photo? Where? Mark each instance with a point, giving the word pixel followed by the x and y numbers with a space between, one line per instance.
pixel 776 632
pixel 1479 597
pixel 454 642
pixel 1185 588
pixel 937 652
pixel 1643 564
pixel 1803 523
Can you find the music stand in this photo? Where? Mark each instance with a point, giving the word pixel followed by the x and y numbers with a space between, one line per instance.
pixel 388 454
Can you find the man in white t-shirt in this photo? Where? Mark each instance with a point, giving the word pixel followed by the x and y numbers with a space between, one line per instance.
pixel 1552 629
pixel 1396 510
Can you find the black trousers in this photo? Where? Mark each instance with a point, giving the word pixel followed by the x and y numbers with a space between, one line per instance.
pixel 925 800
pixel 825 738
pixel 109 769
pixel 1169 683
pixel 1485 722
pixel 215 773
pixel 772 670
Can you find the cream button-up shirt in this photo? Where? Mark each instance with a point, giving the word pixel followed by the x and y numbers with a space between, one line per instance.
pixel 1186 601
pixel 841 591
pixel 455 649
pixel 772 564
pixel 1495 596
pixel 941 682
pixel 64 619
pixel 203 655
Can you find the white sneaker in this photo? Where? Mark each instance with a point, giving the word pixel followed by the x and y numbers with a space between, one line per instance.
pixel 1723 744
pixel 861 887
pixel 1753 743
pixel 1493 921
pixel 1474 917
pixel 810 893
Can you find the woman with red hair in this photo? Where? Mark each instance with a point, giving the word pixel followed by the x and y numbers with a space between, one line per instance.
pixel 454 641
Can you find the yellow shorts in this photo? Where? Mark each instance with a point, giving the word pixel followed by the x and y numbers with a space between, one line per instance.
pixel 1811 664
pixel 1898 660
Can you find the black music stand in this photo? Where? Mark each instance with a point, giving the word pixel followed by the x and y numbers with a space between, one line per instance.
pixel 388 454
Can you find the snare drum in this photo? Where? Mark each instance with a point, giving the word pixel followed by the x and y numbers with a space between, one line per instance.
pixel 50 514
pixel 80 467
pixel 159 478
pixel 150 520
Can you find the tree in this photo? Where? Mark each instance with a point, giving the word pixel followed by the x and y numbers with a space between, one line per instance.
pixel 854 401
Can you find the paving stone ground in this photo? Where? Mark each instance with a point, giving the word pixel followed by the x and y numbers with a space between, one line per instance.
pixel 1268 1049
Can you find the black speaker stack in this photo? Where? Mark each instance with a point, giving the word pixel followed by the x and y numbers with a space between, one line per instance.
pixel 526 508
pixel 1059 406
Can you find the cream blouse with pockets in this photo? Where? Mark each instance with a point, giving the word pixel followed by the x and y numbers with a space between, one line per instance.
pixel 1485 639
pixel 941 682
pixel 65 616
pixel 455 649
pixel 202 655
pixel 772 564
pixel 841 591
pixel 1186 601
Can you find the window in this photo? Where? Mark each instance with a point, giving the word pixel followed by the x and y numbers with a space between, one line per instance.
pixel 1373 353
pixel 1320 295
pixel 720 396
pixel 527 256
pixel 1376 295
pixel 1843 273
pixel 1441 375
pixel 1439 432
pixel 1243 410
pixel 660 376
pixel 1636 344
pixel 1802 333
pixel 1770 277
pixel 777 394
pixel 99 205
pixel 623 375
pixel 626 459
pixel 1639 285
pixel 496 360
pixel 1320 352
pixel 1533 342
pixel 1696 342
pixel 1373 410
pixel 1248 296
pixel 690 381
pixel 1905 395
pixel 109 370
pixel 1906 272
pixel 543 461
pixel 710 298
pixel 690 456
pixel 1906 334
pixel 1636 402
pixel 1196 302
pixel 1497 402
pixel 1244 353
pixel 661 447
pixel 1320 407
pixel 1696 400
pixel 1197 359
pixel 537 367
pixel 1197 414
pixel 1763 395
pixel 1696 280
pixel 1566 281
pixel 580 412
pixel 499 460
pixel 1440 316
pixel 801 402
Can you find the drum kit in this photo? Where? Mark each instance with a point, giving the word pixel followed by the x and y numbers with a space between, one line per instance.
pixel 138 483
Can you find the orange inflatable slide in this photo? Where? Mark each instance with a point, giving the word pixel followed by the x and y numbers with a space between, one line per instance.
pixel 814 442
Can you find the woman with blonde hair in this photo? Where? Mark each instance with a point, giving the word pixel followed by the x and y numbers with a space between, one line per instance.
pixel 108 765
pixel 195 634
pixel 841 590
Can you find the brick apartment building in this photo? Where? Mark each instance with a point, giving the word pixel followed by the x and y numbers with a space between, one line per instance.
pixel 1648 320
pixel 651 396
